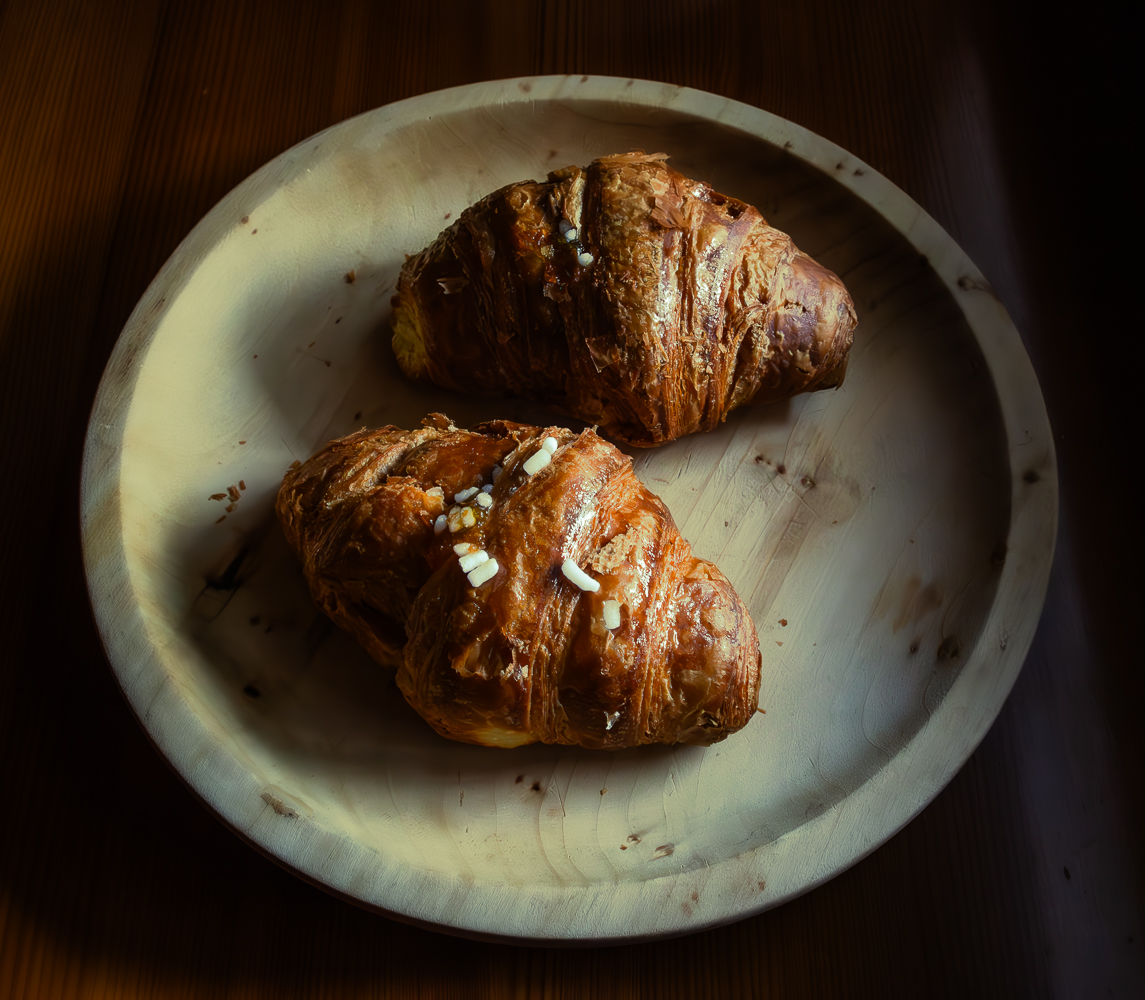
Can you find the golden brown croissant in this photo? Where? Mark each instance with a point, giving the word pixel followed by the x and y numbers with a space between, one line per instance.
pixel 470 558
pixel 624 294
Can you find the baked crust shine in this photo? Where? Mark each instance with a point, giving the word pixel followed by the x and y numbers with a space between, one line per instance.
pixel 525 655
pixel 688 306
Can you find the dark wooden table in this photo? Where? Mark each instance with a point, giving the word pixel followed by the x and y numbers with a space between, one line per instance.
pixel 121 124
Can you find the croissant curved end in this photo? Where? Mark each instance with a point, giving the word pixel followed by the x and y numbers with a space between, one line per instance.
pixel 408 339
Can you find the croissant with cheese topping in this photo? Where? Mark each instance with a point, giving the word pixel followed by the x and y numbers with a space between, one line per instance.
pixel 624 294
pixel 525 583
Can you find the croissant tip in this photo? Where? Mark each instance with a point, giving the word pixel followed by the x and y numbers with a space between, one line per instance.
pixel 438 422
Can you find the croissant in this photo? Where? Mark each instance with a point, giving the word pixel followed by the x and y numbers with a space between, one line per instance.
pixel 525 583
pixel 624 294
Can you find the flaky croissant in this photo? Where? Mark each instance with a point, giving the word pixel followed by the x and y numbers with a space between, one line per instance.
pixel 469 558
pixel 624 294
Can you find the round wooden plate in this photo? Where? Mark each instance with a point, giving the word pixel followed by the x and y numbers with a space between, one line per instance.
pixel 893 537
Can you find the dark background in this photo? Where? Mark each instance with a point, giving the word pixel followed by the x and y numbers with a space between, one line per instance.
pixel 1016 127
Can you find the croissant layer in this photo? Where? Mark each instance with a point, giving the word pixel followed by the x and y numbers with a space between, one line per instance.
pixel 495 643
pixel 626 295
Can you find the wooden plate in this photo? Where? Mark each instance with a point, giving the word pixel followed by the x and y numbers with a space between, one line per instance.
pixel 893 538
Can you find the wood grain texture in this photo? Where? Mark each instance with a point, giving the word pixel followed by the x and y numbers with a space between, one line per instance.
pixel 899 507
pixel 115 883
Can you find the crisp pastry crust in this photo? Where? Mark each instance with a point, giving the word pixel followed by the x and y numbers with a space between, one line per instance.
pixel 524 655
pixel 686 306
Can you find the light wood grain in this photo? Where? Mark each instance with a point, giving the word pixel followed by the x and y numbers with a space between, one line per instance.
pixel 114 882
pixel 891 538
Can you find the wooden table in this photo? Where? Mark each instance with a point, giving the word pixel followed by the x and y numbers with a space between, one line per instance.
pixel 122 124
